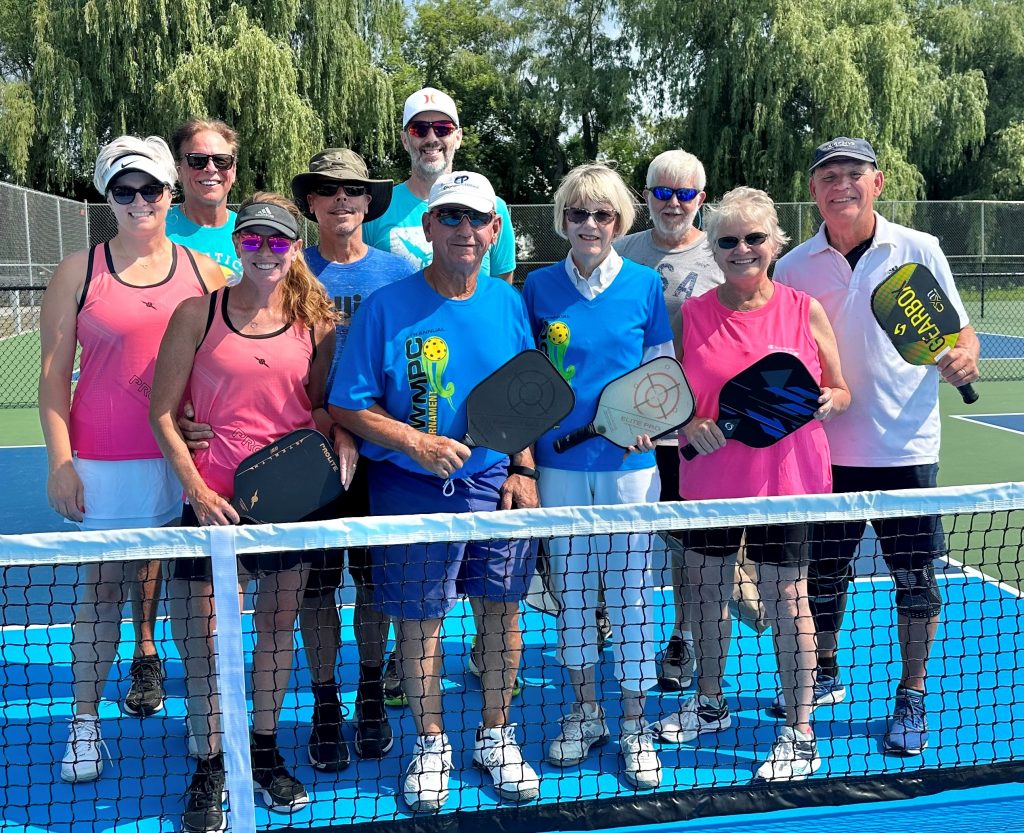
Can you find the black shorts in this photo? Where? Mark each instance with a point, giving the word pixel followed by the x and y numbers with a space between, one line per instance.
pixel 667 458
pixel 906 543
pixel 326 564
pixel 785 545
pixel 198 569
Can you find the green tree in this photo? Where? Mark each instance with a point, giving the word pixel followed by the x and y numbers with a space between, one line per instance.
pixel 761 84
pixel 288 75
pixel 983 38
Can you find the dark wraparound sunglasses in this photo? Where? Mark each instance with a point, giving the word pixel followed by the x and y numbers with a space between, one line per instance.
pixel 329 189
pixel 125 194
pixel 755 238
pixel 441 129
pixel 453 217
pixel 221 161
pixel 664 193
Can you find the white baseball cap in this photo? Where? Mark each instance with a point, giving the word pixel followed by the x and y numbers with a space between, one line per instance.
pixel 463 188
pixel 429 99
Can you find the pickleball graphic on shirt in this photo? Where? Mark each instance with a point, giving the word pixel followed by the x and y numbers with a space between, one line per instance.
pixel 556 340
pixel 435 362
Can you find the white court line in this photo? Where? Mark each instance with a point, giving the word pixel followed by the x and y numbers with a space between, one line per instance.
pixel 974 571
pixel 20 446
pixel 972 418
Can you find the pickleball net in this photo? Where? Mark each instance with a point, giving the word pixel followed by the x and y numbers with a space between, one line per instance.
pixel 974 710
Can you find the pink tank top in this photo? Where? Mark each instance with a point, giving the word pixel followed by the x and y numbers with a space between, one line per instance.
pixel 718 343
pixel 250 389
pixel 119 328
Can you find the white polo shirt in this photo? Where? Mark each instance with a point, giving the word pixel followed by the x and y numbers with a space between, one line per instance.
pixel 894 417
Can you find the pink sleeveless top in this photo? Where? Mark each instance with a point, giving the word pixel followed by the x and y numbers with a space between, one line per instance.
pixel 250 389
pixel 718 343
pixel 119 328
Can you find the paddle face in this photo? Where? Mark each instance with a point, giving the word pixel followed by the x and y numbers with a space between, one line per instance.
pixel 767 401
pixel 287 480
pixel 517 403
pixel 655 399
pixel 916 314
pixel 918 318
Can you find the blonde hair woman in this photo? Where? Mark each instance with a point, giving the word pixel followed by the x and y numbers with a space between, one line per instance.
pixel 270 339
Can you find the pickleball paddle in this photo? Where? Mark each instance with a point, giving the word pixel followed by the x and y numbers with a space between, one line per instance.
pixel 766 402
pixel 287 480
pixel 654 399
pixel 918 318
pixel 517 403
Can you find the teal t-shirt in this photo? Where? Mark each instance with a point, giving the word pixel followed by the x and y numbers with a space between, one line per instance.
pixel 400 231
pixel 213 242
pixel 418 355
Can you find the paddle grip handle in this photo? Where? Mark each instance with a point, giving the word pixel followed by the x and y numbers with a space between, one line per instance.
pixel 968 394
pixel 689 452
pixel 574 438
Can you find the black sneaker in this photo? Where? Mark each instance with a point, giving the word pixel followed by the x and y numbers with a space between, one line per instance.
pixel 394 694
pixel 328 751
pixel 678 666
pixel 374 737
pixel 204 806
pixel 146 695
pixel 605 634
pixel 282 792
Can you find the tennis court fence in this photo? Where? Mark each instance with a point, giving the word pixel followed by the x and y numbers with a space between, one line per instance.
pixel 981 239
pixel 974 719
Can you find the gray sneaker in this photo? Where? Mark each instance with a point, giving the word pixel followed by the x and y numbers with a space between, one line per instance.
pixel 580 731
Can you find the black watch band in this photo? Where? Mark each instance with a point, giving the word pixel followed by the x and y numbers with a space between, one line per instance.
pixel 524 471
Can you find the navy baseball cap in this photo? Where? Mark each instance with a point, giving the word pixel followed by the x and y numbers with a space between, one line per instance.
pixel 844 148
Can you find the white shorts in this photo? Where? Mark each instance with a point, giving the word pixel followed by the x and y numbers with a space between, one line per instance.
pixel 128 494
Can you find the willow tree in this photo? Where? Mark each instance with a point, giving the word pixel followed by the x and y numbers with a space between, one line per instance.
pixel 759 85
pixel 287 74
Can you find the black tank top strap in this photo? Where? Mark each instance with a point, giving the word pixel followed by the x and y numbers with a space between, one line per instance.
pixel 88 276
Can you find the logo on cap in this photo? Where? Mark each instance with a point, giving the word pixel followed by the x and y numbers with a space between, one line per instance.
pixel 460 179
pixel 264 212
pixel 840 143
pixel 428 98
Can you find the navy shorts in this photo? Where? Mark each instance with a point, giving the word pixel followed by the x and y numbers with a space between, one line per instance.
pixel 423 581
pixel 907 543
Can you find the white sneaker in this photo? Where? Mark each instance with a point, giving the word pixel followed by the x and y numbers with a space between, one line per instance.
pixel 582 728
pixel 643 769
pixel 425 786
pixel 794 757
pixel 83 758
pixel 497 752
pixel 698 715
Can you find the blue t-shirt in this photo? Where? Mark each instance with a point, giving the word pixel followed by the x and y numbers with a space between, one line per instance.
pixel 591 342
pixel 349 284
pixel 400 231
pixel 212 241
pixel 419 355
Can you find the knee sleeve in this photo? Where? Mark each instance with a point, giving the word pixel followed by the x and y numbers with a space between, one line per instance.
pixel 917 592
pixel 828 580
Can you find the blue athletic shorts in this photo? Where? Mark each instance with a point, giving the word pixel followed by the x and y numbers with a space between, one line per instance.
pixel 418 581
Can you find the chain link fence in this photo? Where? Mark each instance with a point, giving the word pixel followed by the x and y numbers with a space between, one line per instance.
pixel 984 242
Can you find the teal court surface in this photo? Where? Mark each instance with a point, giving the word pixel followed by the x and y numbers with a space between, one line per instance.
pixel 974 720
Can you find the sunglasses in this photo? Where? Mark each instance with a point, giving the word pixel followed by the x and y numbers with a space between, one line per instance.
pixel 664 193
pixel 329 189
pixel 125 194
pixel 452 217
pixel 755 238
pixel 420 129
pixel 580 215
pixel 253 242
pixel 221 161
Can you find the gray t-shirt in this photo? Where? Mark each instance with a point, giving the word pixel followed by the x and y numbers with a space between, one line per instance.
pixel 686 273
